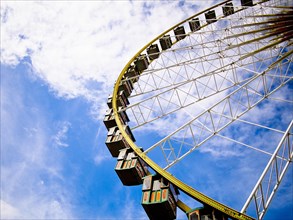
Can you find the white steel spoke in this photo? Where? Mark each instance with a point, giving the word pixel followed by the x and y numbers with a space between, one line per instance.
pixel 209 119
pixel 208 55
pixel 249 146
pixel 281 100
pixel 214 83
pixel 272 175
pixel 159 110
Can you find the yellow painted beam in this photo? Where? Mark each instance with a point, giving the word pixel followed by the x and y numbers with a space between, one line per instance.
pixel 185 208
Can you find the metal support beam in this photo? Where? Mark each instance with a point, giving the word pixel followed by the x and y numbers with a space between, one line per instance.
pixel 272 176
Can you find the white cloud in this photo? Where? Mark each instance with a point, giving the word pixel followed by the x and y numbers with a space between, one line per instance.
pixel 32 183
pixel 167 124
pixel 101 152
pixel 61 136
pixel 129 206
pixel 79 48
pixel 8 211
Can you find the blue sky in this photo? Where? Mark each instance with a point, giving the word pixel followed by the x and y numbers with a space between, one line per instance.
pixel 59 61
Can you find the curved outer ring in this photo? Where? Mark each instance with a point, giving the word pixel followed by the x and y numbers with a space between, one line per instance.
pixel 181 185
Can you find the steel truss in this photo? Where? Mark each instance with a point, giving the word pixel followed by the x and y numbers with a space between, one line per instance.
pixel 178 80
pixel 248 90
pixel 241 61
pixel 214 119
pixel 271 178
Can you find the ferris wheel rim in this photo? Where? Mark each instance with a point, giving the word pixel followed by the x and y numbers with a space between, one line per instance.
pixel 181 185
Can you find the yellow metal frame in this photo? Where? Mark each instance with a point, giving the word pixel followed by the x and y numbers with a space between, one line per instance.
pixel 181 185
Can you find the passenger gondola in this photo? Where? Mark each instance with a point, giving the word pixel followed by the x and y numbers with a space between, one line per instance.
pixel 115 141
pixel 194 24
pixel 153 51
pixel 159 198
pixel 141 63
pixel 246 2
pixel 122 100
pixel 166 42
pixel 130 168
pixel 210 16
pixel 179 33
pixel 132 74
pixel 228 9
pixel 126 85
pixel 109 119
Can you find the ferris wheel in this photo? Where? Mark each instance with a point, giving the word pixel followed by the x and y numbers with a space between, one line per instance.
pixel 219 83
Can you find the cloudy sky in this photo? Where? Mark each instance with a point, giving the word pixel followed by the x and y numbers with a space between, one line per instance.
pixel 59 62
